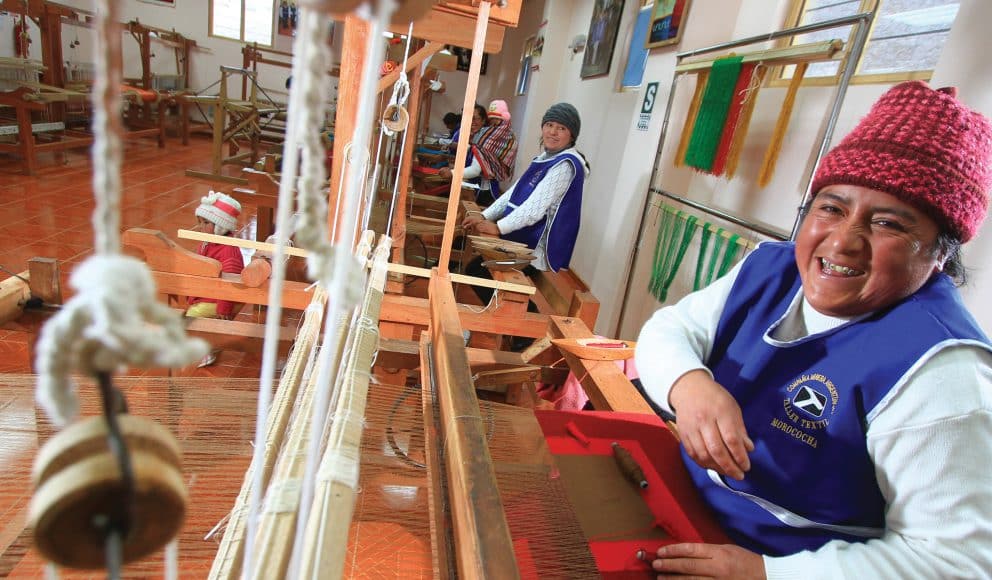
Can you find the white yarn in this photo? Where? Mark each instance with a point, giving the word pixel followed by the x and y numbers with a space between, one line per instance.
pixel 283 497
pixel 341 292
pixel 113 321
pixel 308 73
pixel 107 128
pixel 340 466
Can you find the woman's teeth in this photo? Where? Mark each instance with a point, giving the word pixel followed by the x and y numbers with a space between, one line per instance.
pixel 839 269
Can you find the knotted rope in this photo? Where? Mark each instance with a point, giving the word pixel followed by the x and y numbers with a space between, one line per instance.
pixel 114 320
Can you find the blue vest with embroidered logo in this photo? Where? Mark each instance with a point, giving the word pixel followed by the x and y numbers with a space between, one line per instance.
pixel 806 402
pixel 564 224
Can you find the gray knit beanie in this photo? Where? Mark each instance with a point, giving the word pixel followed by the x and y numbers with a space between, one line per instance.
pixel 565 114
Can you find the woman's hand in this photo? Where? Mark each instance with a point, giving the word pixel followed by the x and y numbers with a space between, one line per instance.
pixel 487 227
pixel 708 561
pixel 710 424
pixel 444 172
pixel 471 220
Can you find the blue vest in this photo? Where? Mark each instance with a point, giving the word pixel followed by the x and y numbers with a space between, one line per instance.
pixel 805 404
pixel 564 224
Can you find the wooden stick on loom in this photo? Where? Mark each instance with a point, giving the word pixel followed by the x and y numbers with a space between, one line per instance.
pixel 227 564
pixel 337 479
pixel 282 496
pixel 391 267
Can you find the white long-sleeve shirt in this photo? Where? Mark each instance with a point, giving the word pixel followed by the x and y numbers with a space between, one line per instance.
pixel 930 441
pixel 543 202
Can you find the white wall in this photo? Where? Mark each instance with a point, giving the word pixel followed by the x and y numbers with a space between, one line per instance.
pixel 965 65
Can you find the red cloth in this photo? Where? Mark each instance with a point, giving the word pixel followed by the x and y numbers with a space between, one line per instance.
pixel 497 151
pixel 733 116
pixel 231 262
pixel 924 147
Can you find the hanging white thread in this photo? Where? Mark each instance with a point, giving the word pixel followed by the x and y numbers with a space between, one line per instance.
pixel 114 320
pixel 306 112
pixel 344 276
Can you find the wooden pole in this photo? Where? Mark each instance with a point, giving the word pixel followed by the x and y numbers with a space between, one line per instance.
pixel 356 32
pixel 483 546
pixel 465 134
pixel 406 165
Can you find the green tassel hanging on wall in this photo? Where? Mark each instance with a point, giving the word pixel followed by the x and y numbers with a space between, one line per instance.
pixel 674 236
pixel 712 117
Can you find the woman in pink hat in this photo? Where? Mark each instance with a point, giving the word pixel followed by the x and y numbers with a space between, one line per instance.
pixel 833 395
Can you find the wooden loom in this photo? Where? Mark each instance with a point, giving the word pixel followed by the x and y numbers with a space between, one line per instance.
pixel 40 105
pixel 498 503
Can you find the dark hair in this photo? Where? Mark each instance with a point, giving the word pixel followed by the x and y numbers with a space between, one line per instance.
pixel 949 246
pixel 451 119
pixel 481 110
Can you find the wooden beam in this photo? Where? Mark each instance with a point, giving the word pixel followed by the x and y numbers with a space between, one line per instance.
pixel 45 281
pixel 465 132
pixel 397 353
pixel 519 287
pixel 795 54
pixel 605 384
pixel 229 287
pixel 456 29
pixel 14 294
pixel 506 13
pixel 410 310
pixel 236 335
pixel 356 32
pixel 483 545
pixel 441 532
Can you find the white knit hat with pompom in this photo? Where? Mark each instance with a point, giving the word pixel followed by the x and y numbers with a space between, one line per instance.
pixel 220 209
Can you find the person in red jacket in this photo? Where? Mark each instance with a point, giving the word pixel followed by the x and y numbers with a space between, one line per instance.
pixel 217 214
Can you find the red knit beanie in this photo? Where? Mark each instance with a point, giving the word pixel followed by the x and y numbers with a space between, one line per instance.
pixel 924 147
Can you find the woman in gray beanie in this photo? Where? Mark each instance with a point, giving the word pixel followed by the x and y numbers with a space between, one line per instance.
pixel 542 209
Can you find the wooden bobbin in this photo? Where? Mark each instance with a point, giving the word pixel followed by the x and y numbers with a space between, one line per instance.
pixel 78 483
pixel 257 272
pixel 395 118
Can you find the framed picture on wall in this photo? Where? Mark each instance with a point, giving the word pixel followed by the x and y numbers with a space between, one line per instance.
pixel 667 19
pixel 463 58
pixel 526 62
pixel 602 37
pixel 161 2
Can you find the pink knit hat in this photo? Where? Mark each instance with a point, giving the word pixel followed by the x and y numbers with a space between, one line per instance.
pixel 220 209
pixel 498 109
pixel 924 147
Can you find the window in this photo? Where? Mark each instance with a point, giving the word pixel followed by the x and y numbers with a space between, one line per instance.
pixel 243 20
pixel 904 42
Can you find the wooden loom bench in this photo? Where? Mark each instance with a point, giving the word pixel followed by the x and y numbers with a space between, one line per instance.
pixel 180 272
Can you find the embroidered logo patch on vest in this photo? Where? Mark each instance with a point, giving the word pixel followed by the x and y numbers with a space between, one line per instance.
pixel 810 400
pixel 809 403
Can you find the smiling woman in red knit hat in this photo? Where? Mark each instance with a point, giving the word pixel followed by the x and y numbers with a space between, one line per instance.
pixel 833 395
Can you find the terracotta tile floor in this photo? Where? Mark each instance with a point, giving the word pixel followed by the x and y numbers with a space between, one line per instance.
pixel 48 215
